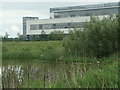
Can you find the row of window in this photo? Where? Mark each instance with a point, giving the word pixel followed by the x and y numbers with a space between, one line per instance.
pixel 58 16
pixel 85 6
pixel 86 13
pixel 55 26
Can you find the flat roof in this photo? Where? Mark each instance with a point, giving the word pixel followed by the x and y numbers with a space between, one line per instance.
pixel 30 17
pixel 84 6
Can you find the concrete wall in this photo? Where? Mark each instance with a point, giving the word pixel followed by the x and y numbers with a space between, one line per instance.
pixel 57 20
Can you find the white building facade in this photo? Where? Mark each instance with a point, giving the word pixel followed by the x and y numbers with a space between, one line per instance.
pixel 67 18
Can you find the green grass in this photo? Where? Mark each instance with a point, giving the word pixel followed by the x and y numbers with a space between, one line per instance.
pixel 33 84
pixel 104 77
pixel 31 50
pixel 40 50
pixel 64 72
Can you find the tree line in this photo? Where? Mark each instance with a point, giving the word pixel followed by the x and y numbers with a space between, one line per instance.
pixel 54 35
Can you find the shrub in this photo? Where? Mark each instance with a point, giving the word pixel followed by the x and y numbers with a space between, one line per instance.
pixel 98 38
pixel 51 55
pixel 56 35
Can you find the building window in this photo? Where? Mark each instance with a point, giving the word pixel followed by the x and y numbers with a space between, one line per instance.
pixel 72 15
pixel 66 27
pixel 40 26
pixel 33 27
pixel 56 16
pixel 88 14
pixel 69 25
pixel 54 26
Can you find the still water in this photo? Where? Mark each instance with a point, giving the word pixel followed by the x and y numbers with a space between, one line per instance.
pixel 46 73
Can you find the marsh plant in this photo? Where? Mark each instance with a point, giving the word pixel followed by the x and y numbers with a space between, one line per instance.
pixel 61 75
pixel 86 58
pixel 98 38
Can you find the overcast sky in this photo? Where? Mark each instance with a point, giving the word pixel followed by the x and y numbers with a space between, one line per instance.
pixel 11 12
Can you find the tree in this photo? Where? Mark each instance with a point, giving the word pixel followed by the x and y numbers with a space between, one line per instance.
pixel 20 37
pixel 98 39
pixel 43 35
pixel 6 35
pixel 56 35
pixel 5 38
pixel 18 34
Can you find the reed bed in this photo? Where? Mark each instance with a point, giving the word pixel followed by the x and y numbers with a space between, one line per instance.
pixel 61 75
pixel 44 65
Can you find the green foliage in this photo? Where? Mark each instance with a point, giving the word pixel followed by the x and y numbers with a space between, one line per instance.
pixel 118 31
pixel 32 50
pixel 74 43
pixel 33 84
pixel 99 78
pixel 51 55
pixel 98 38
pixel 56 35
pixel 77 75
pixel 5 38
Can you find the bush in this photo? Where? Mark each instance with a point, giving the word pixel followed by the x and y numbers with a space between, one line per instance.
pixel 56 35
pixel 98 38
pixel 51 55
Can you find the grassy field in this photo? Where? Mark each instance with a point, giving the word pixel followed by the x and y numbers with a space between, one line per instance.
pixel 31 50
pixel 75 72
pixel 39 51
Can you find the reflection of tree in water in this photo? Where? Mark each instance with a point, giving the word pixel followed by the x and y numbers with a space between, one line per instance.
pixel 46 74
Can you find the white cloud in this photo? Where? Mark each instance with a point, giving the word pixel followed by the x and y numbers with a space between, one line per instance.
pixel 2 33
pixel 14 29
pixel 11 19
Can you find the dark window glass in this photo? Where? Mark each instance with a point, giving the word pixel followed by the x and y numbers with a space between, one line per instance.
pixel 56 16
pixel 40 26
pixel 54 26
pixel 65 27
pixel 72 15
pixel 69 25
pixel 33 27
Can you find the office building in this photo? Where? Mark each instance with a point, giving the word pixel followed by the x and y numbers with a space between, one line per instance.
pixel 67 18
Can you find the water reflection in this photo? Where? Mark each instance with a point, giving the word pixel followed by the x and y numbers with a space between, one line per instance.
pixel 17 76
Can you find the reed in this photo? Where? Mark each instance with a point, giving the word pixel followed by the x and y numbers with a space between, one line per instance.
pixel 23 66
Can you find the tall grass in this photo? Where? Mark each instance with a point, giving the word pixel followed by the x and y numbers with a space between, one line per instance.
pixel 84 72
pixel 77 76
pixel 31 50
pixel 106 77
pixel 47 51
